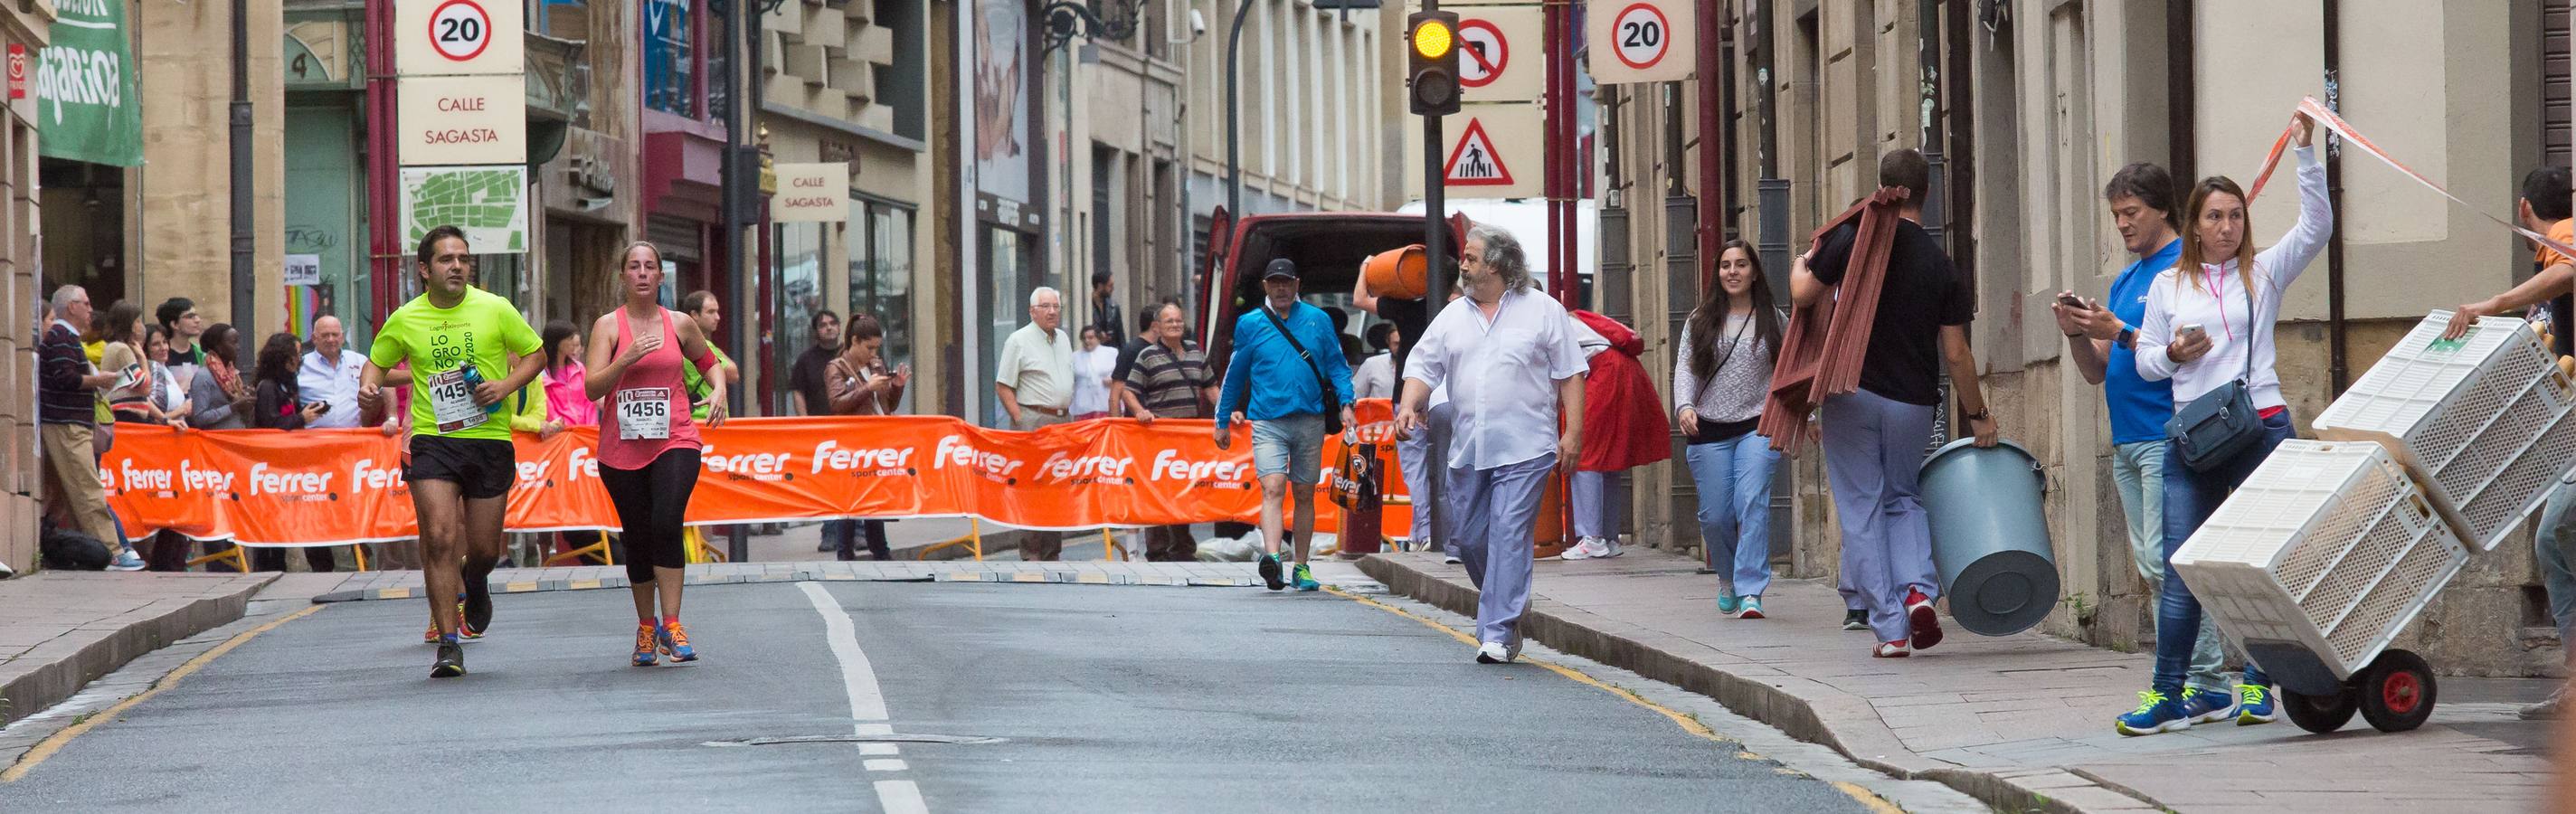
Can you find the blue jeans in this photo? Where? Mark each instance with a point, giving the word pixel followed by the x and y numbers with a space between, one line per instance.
pixel 2138 468
pixel 2554 541
pixel 1734 479
pixel 844 535
pixel 2190 498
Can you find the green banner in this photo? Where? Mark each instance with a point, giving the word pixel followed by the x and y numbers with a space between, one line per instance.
pixel 86 105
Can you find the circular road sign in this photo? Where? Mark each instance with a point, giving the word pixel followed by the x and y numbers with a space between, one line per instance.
pixel 460 30
pixel 1640 36
pixel 1483 53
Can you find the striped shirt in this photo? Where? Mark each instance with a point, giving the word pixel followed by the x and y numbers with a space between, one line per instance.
pixel 61 363
pixel 1168 382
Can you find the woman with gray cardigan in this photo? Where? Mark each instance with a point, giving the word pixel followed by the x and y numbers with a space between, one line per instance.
pixel 1723 371
pixel 221 397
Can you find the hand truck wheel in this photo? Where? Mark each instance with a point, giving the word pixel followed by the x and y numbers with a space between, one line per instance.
pixel 2396 691
pixel 2320 714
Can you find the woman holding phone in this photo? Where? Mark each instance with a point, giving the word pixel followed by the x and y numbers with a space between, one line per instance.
pixel 2209 325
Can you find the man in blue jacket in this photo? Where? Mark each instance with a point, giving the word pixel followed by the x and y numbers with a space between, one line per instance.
pixel 1285 354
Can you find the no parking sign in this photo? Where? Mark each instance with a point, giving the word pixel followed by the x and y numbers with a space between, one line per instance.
pixel 1641 40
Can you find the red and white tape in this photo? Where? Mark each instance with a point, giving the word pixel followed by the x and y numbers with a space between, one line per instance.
pixel 2327 118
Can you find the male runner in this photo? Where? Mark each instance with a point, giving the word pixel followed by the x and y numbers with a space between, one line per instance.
pixel 454 337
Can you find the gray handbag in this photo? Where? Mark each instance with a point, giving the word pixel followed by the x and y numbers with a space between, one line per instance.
pixel 2212 429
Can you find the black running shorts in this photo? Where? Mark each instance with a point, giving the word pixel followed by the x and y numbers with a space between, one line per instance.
pixel 482 467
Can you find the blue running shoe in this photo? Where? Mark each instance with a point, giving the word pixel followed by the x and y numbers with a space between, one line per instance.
pixel 2206 707
pixel 2155 714
pixel 2256 706
pixel 1304 578
pixel 1270 572
pixel 675 644
pixel 648 639
pixel 1727 601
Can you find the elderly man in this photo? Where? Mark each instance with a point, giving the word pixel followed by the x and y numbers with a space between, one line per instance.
pixel 330 376
pixel 1286 374
pixel 1169 380
pixel 67 419
pixel 1507 353
pixel 1033 381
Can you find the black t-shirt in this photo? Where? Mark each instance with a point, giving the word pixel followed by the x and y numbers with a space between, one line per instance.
pixel 1127 360
pixel 806 376
pixel 1922 293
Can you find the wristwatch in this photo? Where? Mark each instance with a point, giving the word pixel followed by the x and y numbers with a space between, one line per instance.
pixel 2128 337
pixel 1979 415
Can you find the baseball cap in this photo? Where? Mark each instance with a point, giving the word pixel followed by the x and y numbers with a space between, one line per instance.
pixel 1281 267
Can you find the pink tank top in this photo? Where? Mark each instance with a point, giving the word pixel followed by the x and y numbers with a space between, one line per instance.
pixel 648 411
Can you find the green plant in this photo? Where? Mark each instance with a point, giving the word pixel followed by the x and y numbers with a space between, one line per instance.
pixel 2081 605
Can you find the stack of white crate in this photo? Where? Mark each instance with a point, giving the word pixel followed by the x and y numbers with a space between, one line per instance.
pixel 2435 454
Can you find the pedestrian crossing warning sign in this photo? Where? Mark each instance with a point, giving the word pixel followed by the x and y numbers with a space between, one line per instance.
pixel 1474 162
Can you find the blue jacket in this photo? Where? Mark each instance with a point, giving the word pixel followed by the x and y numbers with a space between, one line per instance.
pixel 1286 384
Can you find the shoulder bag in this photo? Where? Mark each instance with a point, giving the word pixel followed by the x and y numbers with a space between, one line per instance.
pixel 2212 429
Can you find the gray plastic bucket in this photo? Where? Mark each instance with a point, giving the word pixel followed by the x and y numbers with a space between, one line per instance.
pixel 1990 535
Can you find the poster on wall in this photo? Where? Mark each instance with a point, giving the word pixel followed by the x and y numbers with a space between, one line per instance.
pixel 490 203
pixel 86 105
pixel 1002 105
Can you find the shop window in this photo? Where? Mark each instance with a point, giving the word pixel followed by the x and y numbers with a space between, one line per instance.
pixel 670 57
pixel 800 294
pixel 881 273
pixel 902 85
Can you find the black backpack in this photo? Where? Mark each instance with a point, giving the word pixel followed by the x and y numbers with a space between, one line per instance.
pixel 72 550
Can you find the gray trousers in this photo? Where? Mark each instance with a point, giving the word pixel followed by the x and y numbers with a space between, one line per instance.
pixel 1873 458
pixel 2138 469
pixel 1599 499
pixel 1497 512
pixel 1426 453
pixel 2554 542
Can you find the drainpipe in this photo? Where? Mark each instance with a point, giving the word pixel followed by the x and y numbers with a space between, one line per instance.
pixel 2338 361
pixel 244 284
pixel 1234 115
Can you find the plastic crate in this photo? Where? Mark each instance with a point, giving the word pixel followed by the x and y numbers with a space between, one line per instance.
pixel 2484 422
pixel 2328 548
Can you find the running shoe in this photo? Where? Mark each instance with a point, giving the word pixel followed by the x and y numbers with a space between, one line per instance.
pixel 451 660
pixel 1927 624
pixel 2254 705
pixel 648 640
pixel 430 636
pixel 2206 707
pixel 1890 650
pixel 126 561
pixel 1450 559
pixel 1855 620
pixel 465 626
pixel 1493 653
pixel 477 608
pixel 1752 608
pixel 1727 602
pixel 1609 548
pixel 2548 709
pixel 1304 578
pixel 1270 572
pixel 1583 549
pixel 2155 714
pixel 675 644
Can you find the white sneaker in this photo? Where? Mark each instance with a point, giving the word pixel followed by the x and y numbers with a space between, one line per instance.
pixel 1451 559
pixel 1493 653
pixel 1609 548
pixel 1583 549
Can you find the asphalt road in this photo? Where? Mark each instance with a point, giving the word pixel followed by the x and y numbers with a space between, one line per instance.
pixel 1084 699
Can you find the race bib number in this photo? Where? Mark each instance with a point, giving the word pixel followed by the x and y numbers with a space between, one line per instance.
pixel 451 402
pixel 644 413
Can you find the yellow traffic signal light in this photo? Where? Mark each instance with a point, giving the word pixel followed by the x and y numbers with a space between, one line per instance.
pixel 1432 74
pixel 1433 39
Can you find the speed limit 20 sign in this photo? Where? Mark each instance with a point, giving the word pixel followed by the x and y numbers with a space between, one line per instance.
pixel 1641 40
pixel 459 37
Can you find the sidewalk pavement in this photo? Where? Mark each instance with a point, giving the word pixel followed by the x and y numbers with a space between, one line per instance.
pixel 61 630
pixel 2019 721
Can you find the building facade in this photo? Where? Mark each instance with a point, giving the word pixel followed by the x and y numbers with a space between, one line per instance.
pixel 2027 109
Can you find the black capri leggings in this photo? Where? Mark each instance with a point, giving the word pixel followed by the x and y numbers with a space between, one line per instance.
pixel 650 502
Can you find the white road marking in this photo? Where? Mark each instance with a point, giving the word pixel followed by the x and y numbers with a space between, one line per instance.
pixel 901 797
pixel 867 701
pixel 879 749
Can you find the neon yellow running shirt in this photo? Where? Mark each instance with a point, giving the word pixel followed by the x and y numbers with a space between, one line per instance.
pixel 484 330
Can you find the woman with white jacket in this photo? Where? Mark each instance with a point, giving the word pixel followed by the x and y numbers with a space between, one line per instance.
pixel 2205 316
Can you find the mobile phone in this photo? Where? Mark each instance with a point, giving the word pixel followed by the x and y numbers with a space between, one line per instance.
pixel 326 406
pixel 2075 302
pixel 2188 328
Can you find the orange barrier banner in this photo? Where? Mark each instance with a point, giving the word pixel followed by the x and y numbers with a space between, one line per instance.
pixel 337 487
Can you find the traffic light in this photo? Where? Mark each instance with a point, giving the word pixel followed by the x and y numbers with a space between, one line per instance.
pixel 1431 38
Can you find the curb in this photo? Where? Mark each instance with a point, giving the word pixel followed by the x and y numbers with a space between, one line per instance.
pixel 1780 700
pixel 1051 576
pixel 66 665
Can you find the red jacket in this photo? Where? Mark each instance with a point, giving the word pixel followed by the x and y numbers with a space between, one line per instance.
pixel 1623 416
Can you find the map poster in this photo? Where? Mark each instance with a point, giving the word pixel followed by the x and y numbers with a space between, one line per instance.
pixel 489 202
